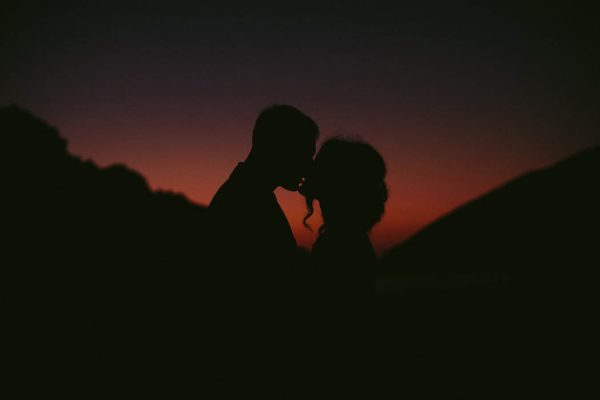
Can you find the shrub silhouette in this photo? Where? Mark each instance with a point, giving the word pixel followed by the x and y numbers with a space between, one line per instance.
pixel 100 274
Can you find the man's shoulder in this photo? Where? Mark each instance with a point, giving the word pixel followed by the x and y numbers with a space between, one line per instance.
pixel 226 194
pixel 239 196
pixel 231 191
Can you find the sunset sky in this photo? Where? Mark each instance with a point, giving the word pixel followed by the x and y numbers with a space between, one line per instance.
pixel 458 96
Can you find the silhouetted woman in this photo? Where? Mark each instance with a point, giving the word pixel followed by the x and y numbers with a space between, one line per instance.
pixel 348 181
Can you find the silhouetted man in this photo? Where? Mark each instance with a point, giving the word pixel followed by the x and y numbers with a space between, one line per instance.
pixel 253 245
pixel 245 209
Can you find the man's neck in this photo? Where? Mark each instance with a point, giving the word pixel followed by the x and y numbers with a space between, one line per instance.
pixel 260 174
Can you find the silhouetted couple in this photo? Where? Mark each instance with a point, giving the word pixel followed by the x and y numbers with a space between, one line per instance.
pixel 292 326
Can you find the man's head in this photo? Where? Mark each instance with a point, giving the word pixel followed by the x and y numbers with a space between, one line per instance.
pixel 285 139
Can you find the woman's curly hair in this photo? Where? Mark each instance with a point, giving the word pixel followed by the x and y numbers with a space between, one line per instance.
pixel 350 175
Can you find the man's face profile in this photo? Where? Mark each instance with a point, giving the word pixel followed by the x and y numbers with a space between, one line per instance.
pixel 295 164
pixel 285 139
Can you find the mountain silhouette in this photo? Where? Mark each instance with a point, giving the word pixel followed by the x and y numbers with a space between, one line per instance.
pixel 495 299
pixel 540 225
pixel 99 273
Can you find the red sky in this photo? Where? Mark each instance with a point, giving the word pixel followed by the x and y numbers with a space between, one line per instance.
pixel 457 96
pixel 430 172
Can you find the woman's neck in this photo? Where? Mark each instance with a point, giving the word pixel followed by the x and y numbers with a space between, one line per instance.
pixel 344 229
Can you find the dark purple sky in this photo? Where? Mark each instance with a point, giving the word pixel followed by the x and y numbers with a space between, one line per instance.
pixel 458 97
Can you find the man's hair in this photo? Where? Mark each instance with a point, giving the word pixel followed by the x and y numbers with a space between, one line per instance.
pixel 280 124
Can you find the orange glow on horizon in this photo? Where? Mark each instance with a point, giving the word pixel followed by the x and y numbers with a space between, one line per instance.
pixel 428 175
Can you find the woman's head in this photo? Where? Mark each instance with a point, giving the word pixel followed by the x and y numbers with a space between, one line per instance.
pixel 348 180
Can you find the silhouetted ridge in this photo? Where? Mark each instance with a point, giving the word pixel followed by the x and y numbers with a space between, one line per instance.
pixel 125 179
pixel 99 273
pixel 26 137
pixel 496 298
pixel 542 222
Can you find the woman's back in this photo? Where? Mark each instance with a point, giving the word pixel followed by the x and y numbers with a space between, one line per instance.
pixel 344 264
pixel 344 273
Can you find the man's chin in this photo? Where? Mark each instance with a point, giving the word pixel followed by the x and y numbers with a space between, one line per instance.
pixel 291 187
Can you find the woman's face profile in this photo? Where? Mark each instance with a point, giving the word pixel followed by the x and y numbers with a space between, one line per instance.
pixel 348 181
